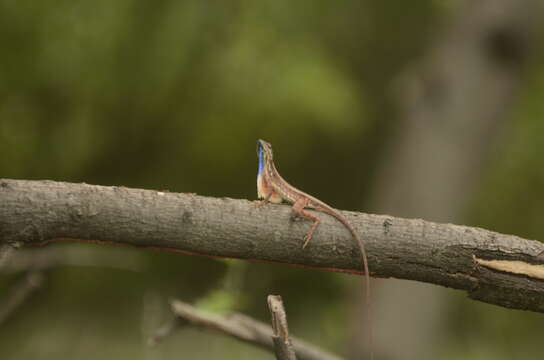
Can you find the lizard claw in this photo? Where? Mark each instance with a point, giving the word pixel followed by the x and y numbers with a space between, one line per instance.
pixel 306 241
pixel 260 202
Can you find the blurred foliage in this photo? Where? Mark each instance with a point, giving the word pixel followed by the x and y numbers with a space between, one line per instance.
pixel 509 199
pixel 172 95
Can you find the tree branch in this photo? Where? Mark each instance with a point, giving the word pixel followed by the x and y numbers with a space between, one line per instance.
pixel 6 253
pixel 500 269
pixel 50 257
pixel 283 347
pixel 22 291
pixel 244 328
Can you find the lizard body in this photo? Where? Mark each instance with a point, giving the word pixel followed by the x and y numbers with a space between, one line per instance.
pixel 271 187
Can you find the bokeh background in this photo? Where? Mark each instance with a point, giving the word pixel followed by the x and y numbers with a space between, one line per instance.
pixel 428 109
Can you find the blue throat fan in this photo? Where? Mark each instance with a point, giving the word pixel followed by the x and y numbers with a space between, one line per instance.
pixel 260 153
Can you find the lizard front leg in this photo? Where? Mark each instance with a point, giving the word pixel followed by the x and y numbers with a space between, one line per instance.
pixel 298 209
pixel 265 200
pixel 272 197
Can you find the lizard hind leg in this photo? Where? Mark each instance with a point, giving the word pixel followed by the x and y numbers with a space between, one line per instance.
pixel 298 210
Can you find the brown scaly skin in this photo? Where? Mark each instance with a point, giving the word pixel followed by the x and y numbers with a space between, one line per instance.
pixel 271 187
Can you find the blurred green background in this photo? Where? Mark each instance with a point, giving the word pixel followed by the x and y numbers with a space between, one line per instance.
pixel 172 95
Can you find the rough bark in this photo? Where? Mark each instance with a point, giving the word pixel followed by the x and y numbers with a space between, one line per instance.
pixel 37 212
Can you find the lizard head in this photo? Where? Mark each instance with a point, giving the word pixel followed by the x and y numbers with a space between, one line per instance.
pixel 264 152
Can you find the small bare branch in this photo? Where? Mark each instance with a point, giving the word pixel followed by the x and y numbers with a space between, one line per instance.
pixel 238 326
pixel 165 331
pixel 53 256
pixel 6 253
pixel 21 291
pixel 35 262
pixel 282 344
